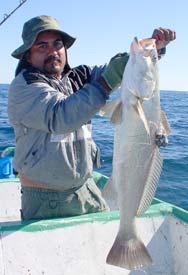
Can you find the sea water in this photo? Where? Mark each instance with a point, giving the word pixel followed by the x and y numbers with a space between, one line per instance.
pixel 173 184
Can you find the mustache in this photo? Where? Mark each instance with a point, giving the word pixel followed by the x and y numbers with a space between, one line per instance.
pixel 52 58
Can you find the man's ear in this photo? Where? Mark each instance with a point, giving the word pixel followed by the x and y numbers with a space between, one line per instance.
pixel 27 57
pixel 23 63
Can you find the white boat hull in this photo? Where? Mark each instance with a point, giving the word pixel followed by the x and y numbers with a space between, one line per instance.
pixel 79 245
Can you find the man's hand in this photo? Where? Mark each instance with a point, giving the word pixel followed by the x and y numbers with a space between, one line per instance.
pixel 161 137
pixel 163 37
pixel 113 72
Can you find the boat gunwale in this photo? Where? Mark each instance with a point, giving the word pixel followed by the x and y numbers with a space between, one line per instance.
pixel 156 209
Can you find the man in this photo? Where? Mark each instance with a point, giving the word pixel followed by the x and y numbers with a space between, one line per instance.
pixel 50 107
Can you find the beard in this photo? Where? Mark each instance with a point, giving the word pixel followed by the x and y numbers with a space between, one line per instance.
pixel 53 65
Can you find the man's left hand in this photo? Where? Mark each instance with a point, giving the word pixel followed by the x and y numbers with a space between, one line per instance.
pixel 163 37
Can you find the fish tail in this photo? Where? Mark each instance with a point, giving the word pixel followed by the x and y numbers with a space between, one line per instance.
pixel 131 254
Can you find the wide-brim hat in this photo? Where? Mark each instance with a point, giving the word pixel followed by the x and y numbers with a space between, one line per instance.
pixel 36 25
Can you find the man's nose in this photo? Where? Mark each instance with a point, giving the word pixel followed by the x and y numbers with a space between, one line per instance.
pixel 52 49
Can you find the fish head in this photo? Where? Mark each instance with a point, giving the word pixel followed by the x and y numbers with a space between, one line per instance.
pixel 141 72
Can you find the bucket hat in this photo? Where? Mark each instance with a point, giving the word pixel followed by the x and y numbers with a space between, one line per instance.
pixel 36 25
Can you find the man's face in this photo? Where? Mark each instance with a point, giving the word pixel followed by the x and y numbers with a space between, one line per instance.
pixel 48 53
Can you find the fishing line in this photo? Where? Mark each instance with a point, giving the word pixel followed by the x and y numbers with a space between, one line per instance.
pixel 6 16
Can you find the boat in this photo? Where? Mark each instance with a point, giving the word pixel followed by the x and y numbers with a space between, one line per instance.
pixel 80 244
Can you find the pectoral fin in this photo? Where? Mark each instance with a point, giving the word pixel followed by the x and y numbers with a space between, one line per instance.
pixel 113 110
pixel 165 122
pixel 142 116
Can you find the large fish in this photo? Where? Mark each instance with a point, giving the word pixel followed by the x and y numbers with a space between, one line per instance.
pixel 141 127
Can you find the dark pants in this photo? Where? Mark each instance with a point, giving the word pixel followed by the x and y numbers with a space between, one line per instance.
pixel 39 203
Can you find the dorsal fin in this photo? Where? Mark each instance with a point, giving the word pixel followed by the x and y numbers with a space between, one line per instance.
pixel 151 182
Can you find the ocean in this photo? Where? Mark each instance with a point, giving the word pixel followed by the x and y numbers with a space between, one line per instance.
pixel 173 184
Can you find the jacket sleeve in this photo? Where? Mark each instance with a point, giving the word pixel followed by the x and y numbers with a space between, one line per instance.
pixel 41 107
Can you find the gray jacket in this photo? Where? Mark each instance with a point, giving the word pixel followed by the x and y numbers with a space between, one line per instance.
pixel 51 118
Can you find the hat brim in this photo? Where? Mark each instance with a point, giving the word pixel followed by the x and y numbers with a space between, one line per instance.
pixel 68 41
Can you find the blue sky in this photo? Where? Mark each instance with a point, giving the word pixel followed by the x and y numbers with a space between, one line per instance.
pixel 103 28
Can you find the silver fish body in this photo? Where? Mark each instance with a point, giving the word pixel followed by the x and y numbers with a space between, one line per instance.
pixel 137 162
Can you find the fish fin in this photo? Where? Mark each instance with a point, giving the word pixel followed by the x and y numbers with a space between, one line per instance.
pixel 109 108
pixel 142 116
pixel 116 117
pixel 109 193
pixel 165 122
pixel 151 182
pixel 131 254
pixel 113 110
